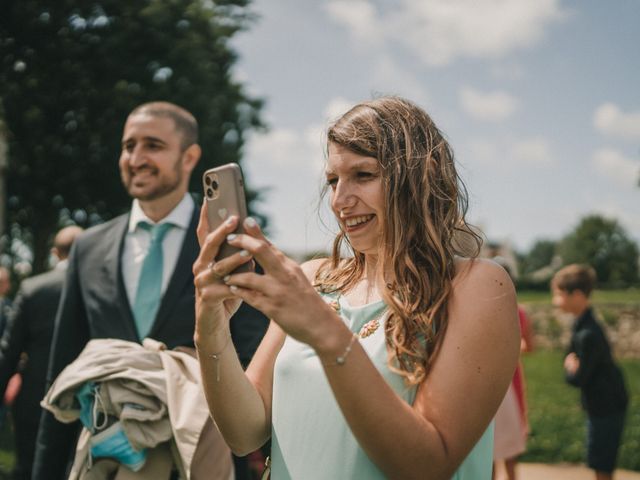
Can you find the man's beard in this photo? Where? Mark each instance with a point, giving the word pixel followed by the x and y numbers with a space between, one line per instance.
pixel 165 187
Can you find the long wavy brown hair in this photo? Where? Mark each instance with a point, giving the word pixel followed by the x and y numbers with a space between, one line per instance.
pixel 424 228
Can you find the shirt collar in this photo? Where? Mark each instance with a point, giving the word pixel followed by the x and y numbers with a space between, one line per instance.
pixel 180 216
pixel 62 264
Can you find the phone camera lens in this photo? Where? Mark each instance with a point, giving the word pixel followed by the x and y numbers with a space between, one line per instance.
pixel 207 180
pixel 209 193
pixel 214 185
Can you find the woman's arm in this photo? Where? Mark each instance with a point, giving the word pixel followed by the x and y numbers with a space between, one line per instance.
pixel 239 403
pixel 459 398
pixel 453 406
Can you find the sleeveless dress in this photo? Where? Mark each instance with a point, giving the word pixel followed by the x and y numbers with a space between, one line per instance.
pixel 310 439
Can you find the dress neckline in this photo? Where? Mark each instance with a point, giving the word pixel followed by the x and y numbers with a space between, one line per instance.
pixel 346 304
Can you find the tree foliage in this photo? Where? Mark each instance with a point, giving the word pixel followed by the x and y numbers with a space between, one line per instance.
pixel 540 255
pixel 603 244
pixel 72 70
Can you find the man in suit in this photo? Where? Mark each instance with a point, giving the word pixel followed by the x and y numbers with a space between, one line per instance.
pixel 159 151
pixel 100 299
pixel 25 348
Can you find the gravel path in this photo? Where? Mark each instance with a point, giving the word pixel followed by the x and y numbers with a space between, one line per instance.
pixel 538 471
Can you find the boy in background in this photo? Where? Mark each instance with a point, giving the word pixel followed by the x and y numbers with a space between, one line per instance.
pixel 589 366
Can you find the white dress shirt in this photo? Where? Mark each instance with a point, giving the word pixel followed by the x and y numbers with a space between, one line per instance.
pixel 137 240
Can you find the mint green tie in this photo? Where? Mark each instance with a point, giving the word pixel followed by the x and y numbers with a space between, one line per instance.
pixel 149 288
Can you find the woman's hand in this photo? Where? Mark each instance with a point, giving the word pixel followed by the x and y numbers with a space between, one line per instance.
pixel 284 292
pixel 215 303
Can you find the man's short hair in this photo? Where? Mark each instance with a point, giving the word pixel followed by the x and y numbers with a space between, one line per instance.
pixel 184 121
pixel 575 277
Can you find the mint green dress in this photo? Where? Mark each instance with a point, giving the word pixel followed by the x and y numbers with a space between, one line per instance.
pixel 310 438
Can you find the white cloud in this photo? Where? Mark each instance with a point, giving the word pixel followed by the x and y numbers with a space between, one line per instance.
pixel 491 106
pixel 508 154
pixel 358 16
pixel 337 107
pixel 610 120
pixel 617 167
pixel 393 78
pixel 532 151
pixel 441 31
pixel 276 147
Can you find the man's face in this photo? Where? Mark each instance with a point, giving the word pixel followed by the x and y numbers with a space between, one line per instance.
pixel 151 158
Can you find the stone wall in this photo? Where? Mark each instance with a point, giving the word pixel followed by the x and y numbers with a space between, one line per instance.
pixel 552 329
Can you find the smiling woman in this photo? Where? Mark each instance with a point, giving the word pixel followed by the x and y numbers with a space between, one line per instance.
pixel 372 360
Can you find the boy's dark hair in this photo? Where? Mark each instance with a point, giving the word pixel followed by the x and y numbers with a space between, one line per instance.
pixel 575 277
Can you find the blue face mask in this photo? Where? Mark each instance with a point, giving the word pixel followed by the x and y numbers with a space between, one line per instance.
pixel 85 395
pixel 113 443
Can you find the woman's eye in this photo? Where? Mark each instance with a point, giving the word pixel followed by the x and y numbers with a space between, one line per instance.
pixel 331 182
pixel 365 175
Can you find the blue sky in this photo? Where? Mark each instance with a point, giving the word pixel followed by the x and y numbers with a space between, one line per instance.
pixel 540 100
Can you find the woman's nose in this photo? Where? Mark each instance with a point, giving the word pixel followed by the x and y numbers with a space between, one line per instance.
pixel 342 197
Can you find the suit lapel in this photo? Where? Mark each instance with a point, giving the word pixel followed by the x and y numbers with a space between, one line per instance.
pixel 182 274
pixel 112 269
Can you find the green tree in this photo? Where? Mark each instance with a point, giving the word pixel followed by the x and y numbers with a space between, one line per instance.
pixel 71 71
pixel 540 255
pixel 603 244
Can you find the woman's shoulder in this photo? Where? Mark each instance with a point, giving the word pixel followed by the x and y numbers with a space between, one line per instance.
pixel 480 273
pixel 311 267
pixel 482 288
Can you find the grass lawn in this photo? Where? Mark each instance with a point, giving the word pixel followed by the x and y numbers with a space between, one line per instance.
pixel 629 295
pixel 557 420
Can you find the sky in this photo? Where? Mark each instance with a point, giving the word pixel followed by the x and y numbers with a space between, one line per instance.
pixel 540 100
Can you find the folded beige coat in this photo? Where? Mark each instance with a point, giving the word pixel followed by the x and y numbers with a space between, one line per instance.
pixel 163 385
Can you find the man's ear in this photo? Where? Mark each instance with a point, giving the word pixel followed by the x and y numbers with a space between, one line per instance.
pixel 190 157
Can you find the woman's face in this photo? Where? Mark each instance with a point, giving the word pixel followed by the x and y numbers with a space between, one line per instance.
pixel 357 198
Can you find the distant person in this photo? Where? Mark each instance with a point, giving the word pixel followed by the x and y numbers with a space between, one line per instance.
pixel 25 348
pixel 511 421
pixel 131 277
pixel 379 363
pixel 5 312
pixel 589 365
pixel 5 301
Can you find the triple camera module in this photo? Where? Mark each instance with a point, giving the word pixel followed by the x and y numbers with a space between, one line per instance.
pixel 212 185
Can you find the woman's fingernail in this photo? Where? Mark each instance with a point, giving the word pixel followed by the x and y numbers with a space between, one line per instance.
pixel 244 253
pixel 230 220
pixel 231 237
pixel 233 288
pixel 226 278
pixel 250 222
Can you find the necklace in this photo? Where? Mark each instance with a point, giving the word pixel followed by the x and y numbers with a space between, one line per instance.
pixel 368 328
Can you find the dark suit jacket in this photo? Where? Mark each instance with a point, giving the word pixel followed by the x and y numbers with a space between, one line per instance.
pixel 94 304
pixel 29 330
pixel 600 380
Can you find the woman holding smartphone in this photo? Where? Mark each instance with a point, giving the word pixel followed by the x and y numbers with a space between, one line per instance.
pixel 387 363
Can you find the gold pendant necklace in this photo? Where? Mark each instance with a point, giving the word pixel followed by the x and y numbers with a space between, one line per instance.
pixel 367 329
